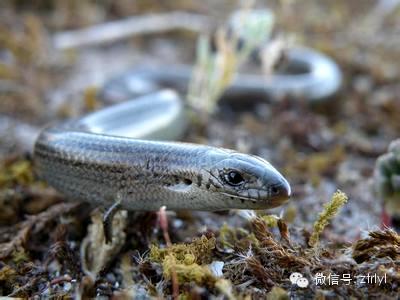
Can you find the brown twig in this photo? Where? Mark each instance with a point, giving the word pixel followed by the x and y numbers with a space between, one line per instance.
pixel 34 223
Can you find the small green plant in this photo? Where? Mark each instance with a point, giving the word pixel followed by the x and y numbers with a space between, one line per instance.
pixel 387 178
pixel 330 210
pixel 215 69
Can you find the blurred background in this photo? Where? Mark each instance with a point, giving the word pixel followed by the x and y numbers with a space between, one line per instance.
pixel 319 150
pixel 45 77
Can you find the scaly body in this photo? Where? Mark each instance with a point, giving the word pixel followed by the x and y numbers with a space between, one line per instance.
pixel 146 175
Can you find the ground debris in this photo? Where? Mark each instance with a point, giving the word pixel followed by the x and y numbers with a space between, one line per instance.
pixel 96 254
pixel 189 260
pixel 33 225
pixel 384 243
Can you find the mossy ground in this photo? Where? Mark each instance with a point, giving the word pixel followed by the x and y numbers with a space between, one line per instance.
pixel 53 248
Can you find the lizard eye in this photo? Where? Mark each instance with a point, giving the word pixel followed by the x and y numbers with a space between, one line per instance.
pixel 234 178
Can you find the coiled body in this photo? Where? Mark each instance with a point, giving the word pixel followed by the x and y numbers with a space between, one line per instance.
pixel 309 75
pixel 107 157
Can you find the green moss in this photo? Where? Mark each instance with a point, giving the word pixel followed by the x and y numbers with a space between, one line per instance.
pixel 198 251
pixel 270 220
pixel 330 210
pixel 227 236
pixel 7 273
pixel 19 256
pixel 16 172
pixel 225 287
pixel 277 293
pixel 186 272
pixel 316 164
pixel 186 260
pixel 237 238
